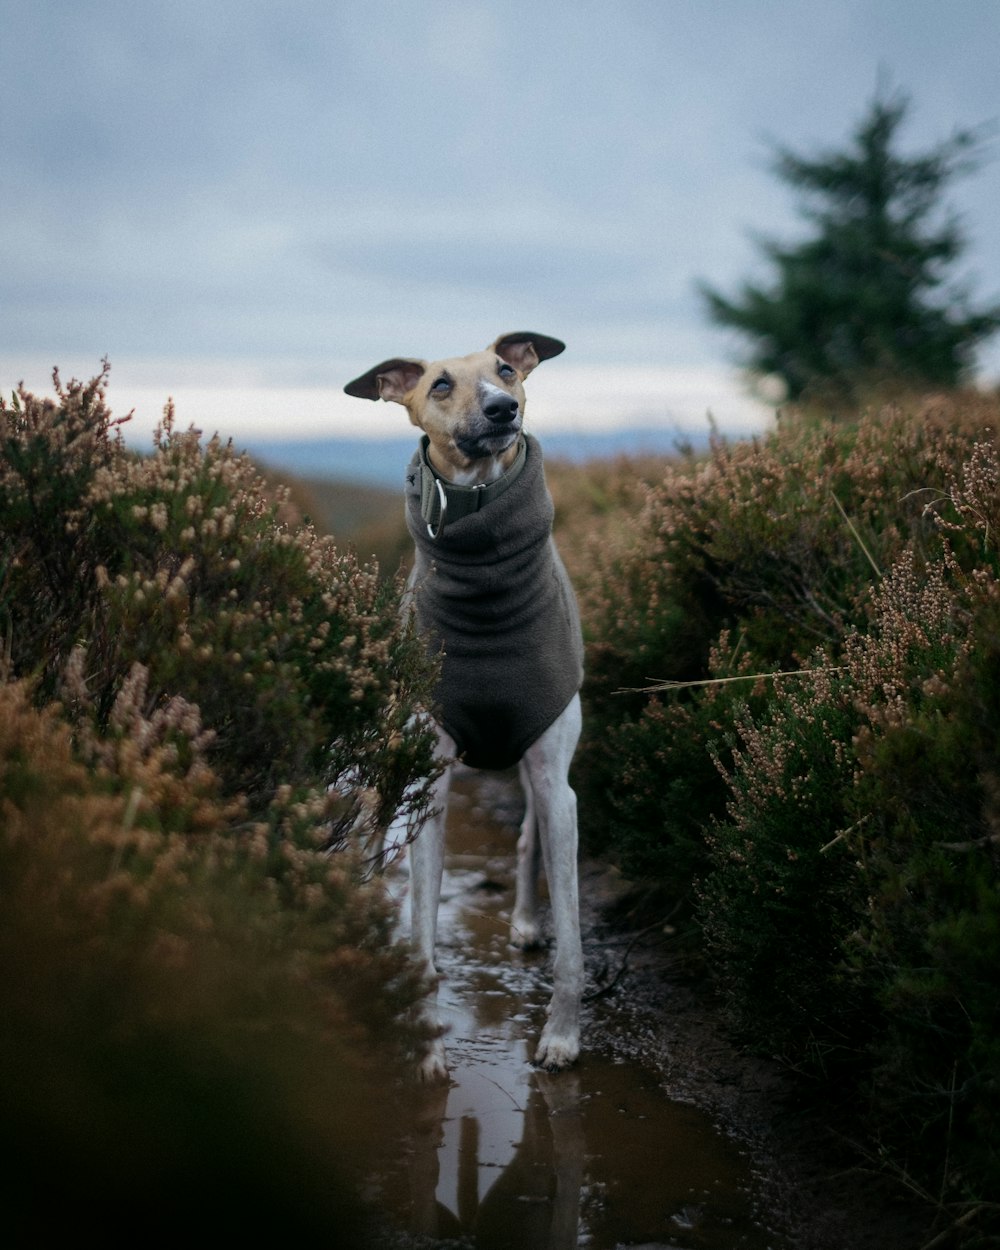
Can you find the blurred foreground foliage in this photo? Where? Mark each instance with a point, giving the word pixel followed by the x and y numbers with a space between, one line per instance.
pixel 834 834
pixel 203 713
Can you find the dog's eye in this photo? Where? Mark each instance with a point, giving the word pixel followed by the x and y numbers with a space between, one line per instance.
pixel 441 387
pixel 506 372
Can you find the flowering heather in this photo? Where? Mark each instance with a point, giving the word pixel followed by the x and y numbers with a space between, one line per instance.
pixel 204 711
pixel 776 541
pixel 290 654
pixel 834 828
pixel 186 1022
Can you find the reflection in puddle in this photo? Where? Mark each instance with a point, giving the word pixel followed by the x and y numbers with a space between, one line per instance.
pixel 507 1156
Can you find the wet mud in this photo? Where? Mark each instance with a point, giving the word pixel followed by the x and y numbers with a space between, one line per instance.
pixel 661 1138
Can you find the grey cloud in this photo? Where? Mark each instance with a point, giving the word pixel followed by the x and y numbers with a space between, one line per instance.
pixel 246 177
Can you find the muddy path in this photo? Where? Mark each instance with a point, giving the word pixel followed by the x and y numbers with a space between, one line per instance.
pixel 663 1137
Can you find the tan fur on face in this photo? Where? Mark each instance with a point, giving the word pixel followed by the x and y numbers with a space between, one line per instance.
pixel 446 398
pixel 452 418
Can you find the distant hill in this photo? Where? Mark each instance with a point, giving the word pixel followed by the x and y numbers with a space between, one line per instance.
pixel 382 461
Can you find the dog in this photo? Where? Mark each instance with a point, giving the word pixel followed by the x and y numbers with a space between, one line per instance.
pixel 490 592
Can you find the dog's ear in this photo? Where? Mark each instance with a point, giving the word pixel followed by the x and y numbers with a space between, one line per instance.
pixel 391 380
pixel 524 350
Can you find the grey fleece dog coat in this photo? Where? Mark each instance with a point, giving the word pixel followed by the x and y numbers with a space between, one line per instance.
pixel 491 592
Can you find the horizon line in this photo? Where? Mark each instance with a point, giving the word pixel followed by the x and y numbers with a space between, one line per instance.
pixel 246 403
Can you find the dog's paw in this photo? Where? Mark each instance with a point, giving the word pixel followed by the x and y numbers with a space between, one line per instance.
pixel 433 1068
pixel 525 933
pixel 556 1052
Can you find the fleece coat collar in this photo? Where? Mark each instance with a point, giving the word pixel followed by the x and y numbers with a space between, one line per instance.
pixel 492 594
pixel 443 502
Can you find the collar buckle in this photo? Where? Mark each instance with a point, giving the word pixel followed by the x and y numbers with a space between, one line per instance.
pixel 436 493
pixel 443 498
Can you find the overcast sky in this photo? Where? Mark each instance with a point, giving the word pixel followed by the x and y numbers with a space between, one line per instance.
pixel 244 204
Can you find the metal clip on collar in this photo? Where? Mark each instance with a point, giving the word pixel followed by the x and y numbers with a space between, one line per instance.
pixel 444 508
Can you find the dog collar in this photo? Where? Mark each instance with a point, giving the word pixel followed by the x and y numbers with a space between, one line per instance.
pixel 442 502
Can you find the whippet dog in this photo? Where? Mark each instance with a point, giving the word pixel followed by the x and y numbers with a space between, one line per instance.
pixel 490 591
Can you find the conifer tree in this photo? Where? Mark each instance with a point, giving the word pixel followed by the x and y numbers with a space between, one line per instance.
pixel 868 298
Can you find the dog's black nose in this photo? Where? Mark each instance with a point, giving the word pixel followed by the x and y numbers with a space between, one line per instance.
pixel 501 408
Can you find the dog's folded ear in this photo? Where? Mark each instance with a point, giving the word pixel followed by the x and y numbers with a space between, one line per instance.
pixel 524 350
pixel 391 380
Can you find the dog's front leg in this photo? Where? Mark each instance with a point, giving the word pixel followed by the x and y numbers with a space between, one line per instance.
pixel 426 869
pixel 547 763
pixel 525 931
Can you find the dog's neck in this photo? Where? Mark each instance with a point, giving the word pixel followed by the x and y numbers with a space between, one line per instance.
pixel 479 472
pixel 446 499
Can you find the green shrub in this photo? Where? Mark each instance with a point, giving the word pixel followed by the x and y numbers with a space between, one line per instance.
pixel 775 543
pixel 929 946
pixel 780 895
pixel 668 787
pixel 837 827
pixel 851 904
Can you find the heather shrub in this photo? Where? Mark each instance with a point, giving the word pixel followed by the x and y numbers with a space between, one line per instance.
pixel 190 1028
pixel 204 711
pixel 774 543
pixel 668 784
pixel 777 897
pixel 777 906
pixel 851 903
pixel 596 503
pixel 292 652
pixel 836 822
pixel 928 950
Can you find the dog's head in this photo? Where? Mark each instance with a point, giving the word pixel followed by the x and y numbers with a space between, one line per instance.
pixel 470 407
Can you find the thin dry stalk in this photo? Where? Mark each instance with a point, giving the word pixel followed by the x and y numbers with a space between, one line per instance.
pixel 860 541
pixel 661 686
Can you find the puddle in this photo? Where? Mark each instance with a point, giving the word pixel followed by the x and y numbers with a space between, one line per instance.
pixel 506 1156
